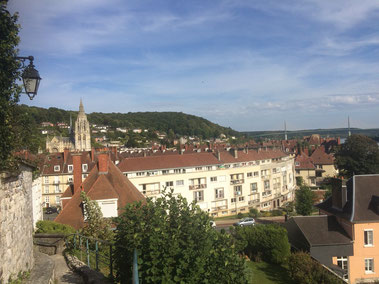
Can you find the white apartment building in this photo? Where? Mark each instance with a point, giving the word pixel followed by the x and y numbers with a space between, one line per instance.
pixel 222 183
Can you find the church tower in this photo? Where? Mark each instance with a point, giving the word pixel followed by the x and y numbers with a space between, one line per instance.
pixel 82 131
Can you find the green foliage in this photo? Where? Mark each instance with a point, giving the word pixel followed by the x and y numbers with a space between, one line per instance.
pixel 269 242
pixel 358 155
pixel 303 269
pixel 240 215
pixel 175 243
pixel 299 181
pixel 51 227
pixel 171 123
pixel 9 90
pixel 96 227
pixel 304 201
pixel 253 212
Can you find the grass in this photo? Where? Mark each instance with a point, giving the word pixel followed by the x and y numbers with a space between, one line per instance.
pixel 265 273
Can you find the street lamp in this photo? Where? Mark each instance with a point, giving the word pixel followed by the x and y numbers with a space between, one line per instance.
pixel 30 77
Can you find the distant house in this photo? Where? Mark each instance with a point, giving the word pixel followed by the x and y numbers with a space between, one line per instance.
pixel 345 239
pixel 305 169
pixel 105 184
pixel 324 163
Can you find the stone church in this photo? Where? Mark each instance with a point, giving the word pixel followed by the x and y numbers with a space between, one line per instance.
pixel 79 140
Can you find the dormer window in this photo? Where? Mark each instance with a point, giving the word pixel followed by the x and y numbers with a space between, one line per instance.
pixel 297 164
pixel 57 168
pixel 70 168
pixel 85 167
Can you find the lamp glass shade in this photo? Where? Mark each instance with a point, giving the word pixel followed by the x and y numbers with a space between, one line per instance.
pixel 31 80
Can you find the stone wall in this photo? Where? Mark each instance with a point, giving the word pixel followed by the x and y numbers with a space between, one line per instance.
pixel 16 224
pixel 37 201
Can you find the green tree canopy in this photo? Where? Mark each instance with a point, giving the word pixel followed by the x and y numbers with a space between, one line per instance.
pixel 358 155
pixel 175 244
pixel 9 90
pixel 304 200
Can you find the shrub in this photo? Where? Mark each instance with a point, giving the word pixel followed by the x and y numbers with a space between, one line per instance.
pixel 51 227
pixel 253 212
pixel 175 243
pixel 303 269
pixel 269 242
pixel 240 215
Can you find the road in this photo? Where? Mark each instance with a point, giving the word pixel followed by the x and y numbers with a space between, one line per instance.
pixel 226 223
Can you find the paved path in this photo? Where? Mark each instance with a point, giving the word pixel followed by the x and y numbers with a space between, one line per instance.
pixel 62 273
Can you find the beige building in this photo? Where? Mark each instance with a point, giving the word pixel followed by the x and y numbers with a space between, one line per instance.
pixel 222 183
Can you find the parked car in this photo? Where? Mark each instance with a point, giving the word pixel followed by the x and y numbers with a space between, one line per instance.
pixel 245 222
pixel 213 224
pixel 51 210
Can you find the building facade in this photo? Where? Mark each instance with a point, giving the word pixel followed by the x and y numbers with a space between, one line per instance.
pixel 222 183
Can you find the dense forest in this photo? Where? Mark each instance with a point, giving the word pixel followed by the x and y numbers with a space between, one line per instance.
pixel 178 122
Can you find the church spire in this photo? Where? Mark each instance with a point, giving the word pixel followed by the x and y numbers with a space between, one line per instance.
pixel 81 107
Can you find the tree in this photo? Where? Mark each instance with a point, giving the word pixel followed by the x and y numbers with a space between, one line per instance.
pixel 97 227
pixel 304 200
pixel 269 242
pixel 175 244
pixel 9 90
pixel 358 155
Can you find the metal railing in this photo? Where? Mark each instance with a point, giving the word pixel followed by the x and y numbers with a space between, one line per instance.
pixel 97 254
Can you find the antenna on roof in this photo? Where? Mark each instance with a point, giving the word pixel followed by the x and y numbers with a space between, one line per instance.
pixel 348 125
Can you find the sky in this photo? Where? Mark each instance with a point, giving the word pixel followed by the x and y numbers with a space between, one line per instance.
pixel 245 64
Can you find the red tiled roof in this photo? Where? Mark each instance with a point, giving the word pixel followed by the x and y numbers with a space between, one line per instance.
pixel 303 162
pixel 99 186
pixel 194 159
pixel 320 157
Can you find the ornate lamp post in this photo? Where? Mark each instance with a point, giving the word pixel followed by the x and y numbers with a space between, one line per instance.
pixel 30 77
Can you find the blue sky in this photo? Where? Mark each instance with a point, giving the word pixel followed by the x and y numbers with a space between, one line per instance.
pixel 245 64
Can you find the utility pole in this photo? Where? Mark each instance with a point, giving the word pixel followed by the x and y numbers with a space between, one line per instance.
pixel 285 131
pixel 348 125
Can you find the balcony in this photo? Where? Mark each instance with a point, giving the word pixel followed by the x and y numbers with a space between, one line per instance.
pixel 149 193
pixel 266 177
pixel 254 202
pixel 197 186
pixel 237 181
pixel 218 208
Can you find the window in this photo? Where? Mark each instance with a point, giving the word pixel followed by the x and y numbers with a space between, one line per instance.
pixel 150 189
pixel 213 179
pixel 85 167
pixel 233 200
pixel 165 172
pixel 84 176
pixel 180 182
pixel 47 199
pixel 140 174
pixel 219 193
pixel 254 187
pixel 369 234
pixel 47 188
pixel 249 174
pixel 342 262
pixel 265 173
pixel 198 196
pixel 297 164
pixel 169 183
pixel 267 185
pixel 70 168
pixel 46 179
pixel 57 190
pixel 177 171
pixel 57 199
pixel 369 265
pixel 209 168
pixel 198 168
pixel 241 198
pixel 256 174
pixel 57 168
pixel 238 190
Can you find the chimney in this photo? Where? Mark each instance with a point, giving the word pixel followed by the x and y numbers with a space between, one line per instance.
pixel 114 151
pixel 144 153
pixel 339 194
pixel 77 163
pixel 218 155
pixel 65 155
pixel 92 154
pixel 234 152
pixel 103 160
pixel 181 151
